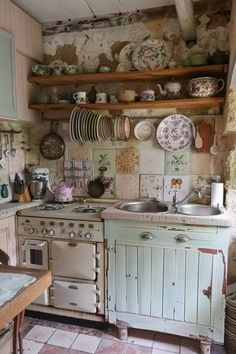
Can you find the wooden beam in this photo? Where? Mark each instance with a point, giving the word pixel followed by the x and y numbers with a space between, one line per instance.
pixel 185 13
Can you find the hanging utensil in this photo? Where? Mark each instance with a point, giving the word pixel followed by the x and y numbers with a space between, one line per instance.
pixel 2 160
pixel 7 150
pixel 13 149
pixel 214 149
pixel 52 146
pixel 198 139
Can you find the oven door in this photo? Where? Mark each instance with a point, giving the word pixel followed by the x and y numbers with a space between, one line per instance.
pixel 35 254
pixel 75 260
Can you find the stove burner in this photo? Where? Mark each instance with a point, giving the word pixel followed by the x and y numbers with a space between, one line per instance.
pixel 88 209
pixel 50 207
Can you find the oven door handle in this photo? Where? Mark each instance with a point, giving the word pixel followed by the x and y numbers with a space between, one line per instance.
pixel 28 243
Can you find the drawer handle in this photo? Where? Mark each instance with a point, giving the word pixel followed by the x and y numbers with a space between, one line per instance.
pixel 73 304
pixel 146 236
pixel 182 238
pixel 72 244
pixel 73 287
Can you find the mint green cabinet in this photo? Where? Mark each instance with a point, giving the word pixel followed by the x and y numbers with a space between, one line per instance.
pixel 167 277
pixel 7 76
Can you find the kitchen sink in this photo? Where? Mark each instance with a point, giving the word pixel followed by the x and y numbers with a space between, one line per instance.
pixel 198 210
pixel 143 206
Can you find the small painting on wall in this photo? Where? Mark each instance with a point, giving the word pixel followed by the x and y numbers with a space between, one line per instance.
pixel 177 163
pixel 176 183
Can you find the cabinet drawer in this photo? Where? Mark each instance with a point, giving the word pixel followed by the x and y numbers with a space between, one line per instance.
pixel 75 296
pixel 178 238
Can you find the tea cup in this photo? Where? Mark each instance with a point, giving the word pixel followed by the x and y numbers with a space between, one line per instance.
pixel 147 95
pixel 80 97
pixel 72 69
pixel 101 97
pixel 41 70
pixel 58 69
pixel 127 95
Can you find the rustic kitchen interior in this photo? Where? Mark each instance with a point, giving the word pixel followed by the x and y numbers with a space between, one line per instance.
pixel 118 173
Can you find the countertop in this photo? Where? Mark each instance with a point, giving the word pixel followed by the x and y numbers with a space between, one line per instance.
pixel 11 208
pixel 223 220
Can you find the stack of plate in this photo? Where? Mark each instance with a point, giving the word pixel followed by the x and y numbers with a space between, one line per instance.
pixel 121 128
pixel 230 323
pixel 86 125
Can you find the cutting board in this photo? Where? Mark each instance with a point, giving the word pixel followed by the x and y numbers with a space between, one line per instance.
pixel 207 134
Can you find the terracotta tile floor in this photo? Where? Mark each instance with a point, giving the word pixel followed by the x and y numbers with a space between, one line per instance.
pixel 49 337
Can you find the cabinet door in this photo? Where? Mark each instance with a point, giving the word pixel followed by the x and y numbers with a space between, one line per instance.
pixel 7 76
pixel 8 238
pixel 5 15
pixel 24 89
pixel 173 284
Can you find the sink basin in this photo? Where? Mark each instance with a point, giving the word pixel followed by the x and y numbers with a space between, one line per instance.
pixel 143 206
pixel 198 210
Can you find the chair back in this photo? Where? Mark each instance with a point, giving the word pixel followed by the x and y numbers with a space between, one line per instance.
pixel 4 258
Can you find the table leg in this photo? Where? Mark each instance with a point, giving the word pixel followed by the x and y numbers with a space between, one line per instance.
pixel 17 333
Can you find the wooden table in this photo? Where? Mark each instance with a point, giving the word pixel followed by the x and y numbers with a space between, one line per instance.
pixel 14 309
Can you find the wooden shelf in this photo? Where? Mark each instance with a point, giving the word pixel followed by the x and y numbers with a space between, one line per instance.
pixel 129 75
pixel 175 103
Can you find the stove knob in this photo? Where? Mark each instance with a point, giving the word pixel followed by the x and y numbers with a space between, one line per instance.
pixel 31 230
pixel 51 232
pixel 88 236
pixel 72 234
pixel 44 232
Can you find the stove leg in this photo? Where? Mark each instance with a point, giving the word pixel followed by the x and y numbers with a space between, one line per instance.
pixel 122 333
pixel 205 347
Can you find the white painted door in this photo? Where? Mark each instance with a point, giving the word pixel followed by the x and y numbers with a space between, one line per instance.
pixel 169 283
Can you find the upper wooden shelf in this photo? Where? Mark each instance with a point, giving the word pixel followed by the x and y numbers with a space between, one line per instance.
pixel 175 103
pixel 129 75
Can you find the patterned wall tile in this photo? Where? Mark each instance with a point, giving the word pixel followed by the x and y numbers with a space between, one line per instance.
pixel 179 184
pixel 200 163
pixel 177 163
pixel 127 186
pixel 127 160
pixel 106 159
pixel 152 161
pixel 109 184
pixel 151 186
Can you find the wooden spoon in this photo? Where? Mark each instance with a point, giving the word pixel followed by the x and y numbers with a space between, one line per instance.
pixel 198 140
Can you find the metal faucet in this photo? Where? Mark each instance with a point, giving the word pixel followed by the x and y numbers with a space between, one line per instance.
pixel 176 202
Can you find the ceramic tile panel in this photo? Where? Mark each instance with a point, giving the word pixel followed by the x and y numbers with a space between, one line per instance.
pixel 31 347
pixel 200 163
pixel 40 333
pixel 127 160
pixel 109 184
pixel 179 184
pixel 152 161
pixel 177 163
pixel 86 343
pixel 151 186
pixel 62 338
pixel 127 186
pixel 104 159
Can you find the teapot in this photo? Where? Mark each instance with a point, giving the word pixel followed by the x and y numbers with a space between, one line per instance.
pixel 63 193
pixel 171 89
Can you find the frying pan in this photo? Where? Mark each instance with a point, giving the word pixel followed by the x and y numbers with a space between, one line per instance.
pixel 96 188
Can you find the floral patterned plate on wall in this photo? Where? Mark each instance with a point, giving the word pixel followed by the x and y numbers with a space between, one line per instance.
pixel 175 132
pixel 153 54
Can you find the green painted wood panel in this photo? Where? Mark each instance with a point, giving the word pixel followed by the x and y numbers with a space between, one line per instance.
pixel 204 284
pixel 169 284
pixel 120 278
pixel 157 282
pixel 180 285
pixel 132 276
pixel 7 76
pixel 191 286
pixel 144 280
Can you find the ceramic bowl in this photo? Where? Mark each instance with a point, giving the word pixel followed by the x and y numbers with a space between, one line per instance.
pixel 104 69
pixel 72 69
pixel 127 95
pixel 41 70
pixel 204 86
pixel 198 59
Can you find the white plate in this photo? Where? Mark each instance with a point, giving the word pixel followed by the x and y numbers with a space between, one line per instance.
pixel 144 131
pixel 71 122
pixel 125 56
pixel 175 132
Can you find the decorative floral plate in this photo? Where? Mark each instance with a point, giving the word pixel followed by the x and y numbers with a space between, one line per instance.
pixel 175 132
pixel 125 56
pixel 52 146
pixel 153 54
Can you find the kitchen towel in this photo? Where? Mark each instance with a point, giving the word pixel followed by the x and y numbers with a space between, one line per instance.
pixel 217 194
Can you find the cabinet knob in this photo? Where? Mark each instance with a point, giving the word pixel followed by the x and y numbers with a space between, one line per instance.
pixel 146 236
pixel 182 238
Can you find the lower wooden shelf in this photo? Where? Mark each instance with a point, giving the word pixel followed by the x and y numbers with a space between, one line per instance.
pixel 175 103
